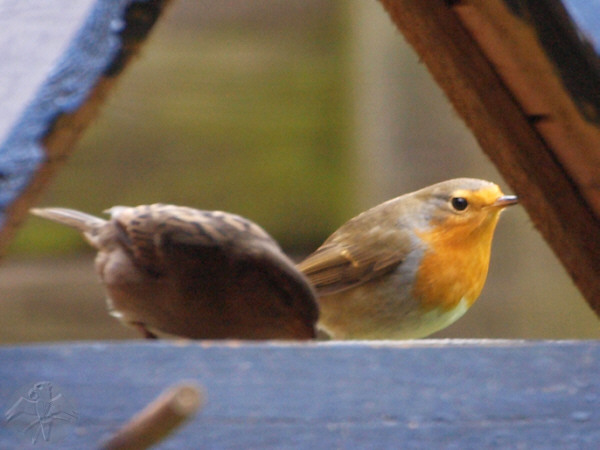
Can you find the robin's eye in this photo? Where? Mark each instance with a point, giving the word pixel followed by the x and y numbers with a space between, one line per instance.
pixel 459 203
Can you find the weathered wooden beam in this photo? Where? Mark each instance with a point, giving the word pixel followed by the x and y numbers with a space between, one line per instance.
pixel 510 90
pixel 555 78
pixel 425 394
pixel 60 59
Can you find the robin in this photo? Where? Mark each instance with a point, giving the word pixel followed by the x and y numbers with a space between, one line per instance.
pixel 410 266
pixel 196 274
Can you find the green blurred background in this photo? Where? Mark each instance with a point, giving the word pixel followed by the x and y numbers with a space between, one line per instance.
pixel 296 114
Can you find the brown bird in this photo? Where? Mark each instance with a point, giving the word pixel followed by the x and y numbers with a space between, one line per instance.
pixel 196 274
pixel 410 266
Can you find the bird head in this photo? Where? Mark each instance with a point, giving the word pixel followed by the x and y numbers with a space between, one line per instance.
pixel 462 208
pixel 460 217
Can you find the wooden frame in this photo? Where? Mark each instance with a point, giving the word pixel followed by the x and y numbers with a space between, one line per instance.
pixel 57 88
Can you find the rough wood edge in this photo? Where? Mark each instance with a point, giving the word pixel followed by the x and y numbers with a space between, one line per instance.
pixel 507 136
pixel 512 46
pixel 63 133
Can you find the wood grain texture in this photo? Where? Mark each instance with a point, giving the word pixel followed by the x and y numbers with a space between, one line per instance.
pixel 60 62
pixel 424 394
pixel 555 79
pixel 558 203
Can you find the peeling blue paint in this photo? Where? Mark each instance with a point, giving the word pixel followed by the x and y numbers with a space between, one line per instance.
pixel 90 53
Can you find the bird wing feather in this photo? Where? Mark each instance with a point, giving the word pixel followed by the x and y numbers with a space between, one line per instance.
pixel 212 249
pixel 347 261
pixel 146 231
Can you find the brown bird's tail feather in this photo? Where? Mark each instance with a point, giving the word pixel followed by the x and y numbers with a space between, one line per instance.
pixel 70 217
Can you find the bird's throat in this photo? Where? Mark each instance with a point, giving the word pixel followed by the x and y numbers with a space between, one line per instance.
pixel 454 266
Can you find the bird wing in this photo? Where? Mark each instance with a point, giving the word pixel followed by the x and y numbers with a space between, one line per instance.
pixel 254 263
pixel 348 260
pixel 21 406
pixel 210 251
pixel 145 231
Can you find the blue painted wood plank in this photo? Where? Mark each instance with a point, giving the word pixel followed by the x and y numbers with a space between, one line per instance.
pixel 427 394
pixel 53 54
pixel 586 14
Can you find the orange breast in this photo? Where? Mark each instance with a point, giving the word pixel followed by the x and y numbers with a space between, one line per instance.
pixel 455 265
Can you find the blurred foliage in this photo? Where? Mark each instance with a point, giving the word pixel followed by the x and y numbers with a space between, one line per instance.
pixel 220 116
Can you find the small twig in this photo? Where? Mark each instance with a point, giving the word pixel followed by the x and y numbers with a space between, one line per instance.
pixel 157 420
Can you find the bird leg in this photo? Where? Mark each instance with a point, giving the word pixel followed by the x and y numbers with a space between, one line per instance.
pixel 147 334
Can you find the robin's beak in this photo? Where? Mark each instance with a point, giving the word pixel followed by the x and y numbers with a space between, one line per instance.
pixel 505 200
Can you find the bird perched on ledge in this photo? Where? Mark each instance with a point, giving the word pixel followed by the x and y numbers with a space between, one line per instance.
pixel 195 274
pixel 410 266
